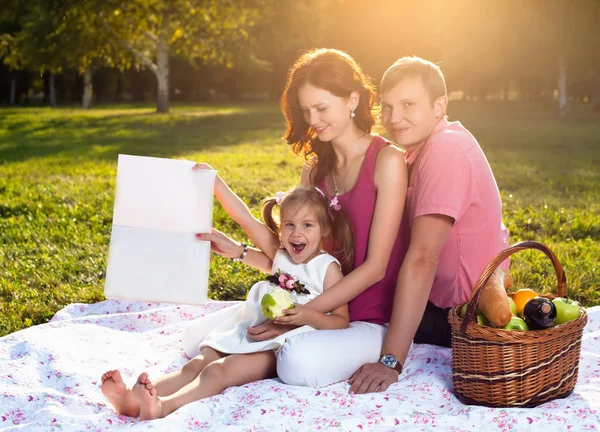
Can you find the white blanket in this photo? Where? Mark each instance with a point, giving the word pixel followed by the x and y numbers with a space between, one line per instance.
pixel 50 380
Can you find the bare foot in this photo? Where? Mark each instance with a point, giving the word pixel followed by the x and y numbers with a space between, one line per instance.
pixel 119 395
pixel 145 395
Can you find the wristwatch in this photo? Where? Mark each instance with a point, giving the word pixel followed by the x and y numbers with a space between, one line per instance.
pixel 392 362
pixel 243 255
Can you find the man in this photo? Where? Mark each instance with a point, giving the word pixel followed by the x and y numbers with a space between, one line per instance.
pixel 454 211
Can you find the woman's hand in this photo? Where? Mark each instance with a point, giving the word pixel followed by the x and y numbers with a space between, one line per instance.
pixel 299 315
pixel 221 244
pixel 266 330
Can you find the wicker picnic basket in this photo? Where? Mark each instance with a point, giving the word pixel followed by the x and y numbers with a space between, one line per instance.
pixel 504 368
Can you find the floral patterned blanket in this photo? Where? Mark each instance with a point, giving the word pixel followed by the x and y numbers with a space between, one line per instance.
pixel 50 381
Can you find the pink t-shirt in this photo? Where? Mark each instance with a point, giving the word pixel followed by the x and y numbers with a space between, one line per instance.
pixel 450 175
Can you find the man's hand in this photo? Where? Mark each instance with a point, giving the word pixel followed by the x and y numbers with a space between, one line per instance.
pixel 299 315
pixel 372 377
pixel 267 330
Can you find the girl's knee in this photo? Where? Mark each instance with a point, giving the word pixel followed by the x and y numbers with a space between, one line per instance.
pixel 214 371
pixel 193 367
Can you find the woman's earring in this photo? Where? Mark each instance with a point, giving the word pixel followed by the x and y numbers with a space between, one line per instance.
pixel 352 114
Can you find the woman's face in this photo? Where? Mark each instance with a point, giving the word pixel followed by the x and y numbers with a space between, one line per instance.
pixel 328 115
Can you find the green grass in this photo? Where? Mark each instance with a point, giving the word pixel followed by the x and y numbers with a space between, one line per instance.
pixel 58 167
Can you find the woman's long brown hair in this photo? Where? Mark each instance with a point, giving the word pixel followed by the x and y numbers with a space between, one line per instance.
pixel 338 73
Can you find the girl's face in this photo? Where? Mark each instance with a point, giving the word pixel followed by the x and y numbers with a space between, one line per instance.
pixel 301 233
pixel 328 115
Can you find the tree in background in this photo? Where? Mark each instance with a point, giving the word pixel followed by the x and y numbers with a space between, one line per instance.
pixel 533 50
pixel 288 29
pixel 200 30
pixel 54 36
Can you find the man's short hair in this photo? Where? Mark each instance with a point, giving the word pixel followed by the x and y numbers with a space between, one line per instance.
pixel 431 75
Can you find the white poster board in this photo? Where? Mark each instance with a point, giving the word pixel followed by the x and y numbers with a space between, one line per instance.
pixel 154 256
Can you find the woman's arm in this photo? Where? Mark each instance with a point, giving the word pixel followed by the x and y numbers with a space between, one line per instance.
pixel 239 212
pixel 391 180
pixel 302 315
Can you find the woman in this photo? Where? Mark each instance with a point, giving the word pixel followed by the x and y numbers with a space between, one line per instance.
pixel 328 103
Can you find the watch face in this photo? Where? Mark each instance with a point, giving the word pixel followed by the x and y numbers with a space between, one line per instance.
pixel 389 360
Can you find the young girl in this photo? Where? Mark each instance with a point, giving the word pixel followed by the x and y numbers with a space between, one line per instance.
pixel 224 355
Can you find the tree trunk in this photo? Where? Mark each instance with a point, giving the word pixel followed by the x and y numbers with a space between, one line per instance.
pixel 88 89
pixel 52 89
pixel 562 85
pixel 118 87
pixel 162 74
pixel 13 89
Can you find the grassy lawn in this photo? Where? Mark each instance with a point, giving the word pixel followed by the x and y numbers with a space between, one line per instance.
pixel 58 167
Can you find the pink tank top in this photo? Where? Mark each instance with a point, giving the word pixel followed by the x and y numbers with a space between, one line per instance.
pixel 375 303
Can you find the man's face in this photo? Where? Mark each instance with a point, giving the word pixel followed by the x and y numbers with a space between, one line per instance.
pixel 408 113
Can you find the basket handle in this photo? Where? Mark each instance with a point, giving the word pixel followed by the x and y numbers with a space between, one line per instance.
pixel 561 288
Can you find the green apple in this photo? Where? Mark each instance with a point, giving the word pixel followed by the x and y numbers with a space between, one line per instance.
pixel 516 323
pixel 513 306
pixel 481 318
pixel 566 310
pixel 274 302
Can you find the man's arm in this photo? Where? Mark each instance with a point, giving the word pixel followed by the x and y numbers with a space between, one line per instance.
pixel 415 279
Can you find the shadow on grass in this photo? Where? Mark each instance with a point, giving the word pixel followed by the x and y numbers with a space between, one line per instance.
pixel 103 134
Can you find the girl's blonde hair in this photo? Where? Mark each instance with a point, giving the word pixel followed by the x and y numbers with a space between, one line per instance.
pixel 339 241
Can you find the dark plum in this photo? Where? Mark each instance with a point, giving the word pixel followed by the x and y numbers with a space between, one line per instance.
pixel 539 313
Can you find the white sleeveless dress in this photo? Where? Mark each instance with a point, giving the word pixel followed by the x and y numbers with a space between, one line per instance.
pixel 225 330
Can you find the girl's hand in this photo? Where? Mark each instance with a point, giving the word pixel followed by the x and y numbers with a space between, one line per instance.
pixel 201 166
pixel 299 315
pixel 221 244
pixel 266 330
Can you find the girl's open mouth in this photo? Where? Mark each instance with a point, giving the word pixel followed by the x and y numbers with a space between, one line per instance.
pixel 298 247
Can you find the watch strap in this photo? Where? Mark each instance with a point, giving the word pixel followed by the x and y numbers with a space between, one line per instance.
pixel 397 367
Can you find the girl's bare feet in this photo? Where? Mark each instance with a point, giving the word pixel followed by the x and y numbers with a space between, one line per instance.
pixel 119 395
pixel 145 395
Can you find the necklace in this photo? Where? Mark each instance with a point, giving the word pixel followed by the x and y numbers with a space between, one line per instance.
pixel 335 186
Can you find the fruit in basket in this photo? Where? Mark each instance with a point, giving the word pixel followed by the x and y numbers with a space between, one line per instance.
pixel 521 297
pixel 539 313
pixel 516 323
pixel 493 301
pixel 481 318
pixel 513 306
pixel 566 310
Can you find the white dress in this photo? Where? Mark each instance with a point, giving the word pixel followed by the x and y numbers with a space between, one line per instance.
pixel 225 330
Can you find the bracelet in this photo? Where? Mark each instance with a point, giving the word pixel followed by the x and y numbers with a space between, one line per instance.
pixel 243 255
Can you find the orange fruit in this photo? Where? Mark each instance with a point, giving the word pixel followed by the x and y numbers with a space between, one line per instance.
pixel 521 297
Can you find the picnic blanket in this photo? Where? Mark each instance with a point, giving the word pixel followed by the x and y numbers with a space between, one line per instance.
pixel 50 381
